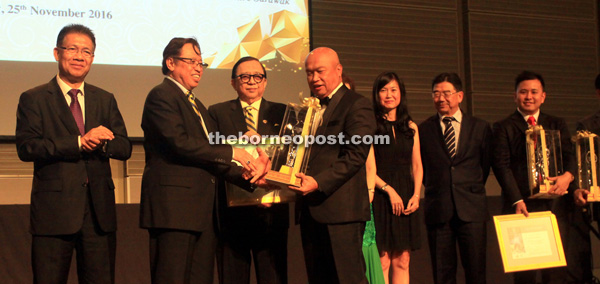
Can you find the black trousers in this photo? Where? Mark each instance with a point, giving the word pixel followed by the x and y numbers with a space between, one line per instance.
pixel 471 239
pixel 266 247
pixel 333 252
pixel 95 254
pixel 184 257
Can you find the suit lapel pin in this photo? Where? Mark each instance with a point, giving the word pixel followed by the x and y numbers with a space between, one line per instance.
pixel 264 121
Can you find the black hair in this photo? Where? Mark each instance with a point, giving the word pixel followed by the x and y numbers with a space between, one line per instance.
pixel 245 59
pixel 75 28
pixel 529 75
pixel 402 116
pixel 173 49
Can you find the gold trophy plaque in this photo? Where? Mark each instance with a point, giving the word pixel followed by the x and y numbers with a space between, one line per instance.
pixel 291 157
pixel 544 160
pixel 586 148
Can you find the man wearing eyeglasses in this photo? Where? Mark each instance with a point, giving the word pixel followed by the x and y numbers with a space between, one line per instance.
pixel 455 150
pixel 250 232
pixel 510 165
pixel 70 129
pixel 179 181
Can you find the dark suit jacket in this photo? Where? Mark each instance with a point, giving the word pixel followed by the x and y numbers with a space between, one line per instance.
pixel 590 123
pixel 178 185
pixel 459 182
pixel 510 164
pixel 47 135
pixel 339 169
pixel 230 120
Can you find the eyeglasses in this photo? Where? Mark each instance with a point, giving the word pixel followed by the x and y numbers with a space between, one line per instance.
pixel 192 62
pixel 74 50
pixel 446 94
pixel 245 78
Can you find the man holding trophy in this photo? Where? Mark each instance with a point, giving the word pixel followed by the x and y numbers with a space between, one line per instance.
pixel 511 166
pixel 335 202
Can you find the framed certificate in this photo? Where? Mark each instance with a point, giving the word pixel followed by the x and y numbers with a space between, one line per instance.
pixel 528 243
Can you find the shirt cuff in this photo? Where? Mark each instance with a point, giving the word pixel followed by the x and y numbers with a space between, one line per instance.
pixel 517 202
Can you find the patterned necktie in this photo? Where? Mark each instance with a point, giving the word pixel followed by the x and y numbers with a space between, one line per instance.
pixel 449 136
pixel 192 100
pixel 76 110
pixel 250 123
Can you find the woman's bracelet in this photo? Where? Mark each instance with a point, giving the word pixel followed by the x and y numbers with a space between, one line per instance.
pixel 371 190
pixel 384 187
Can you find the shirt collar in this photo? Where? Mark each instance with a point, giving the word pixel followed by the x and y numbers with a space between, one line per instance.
pixel 335 90
pixel 65 88
pixel 255 105
pixel 536 115
pixel 457 115
pixel 183 89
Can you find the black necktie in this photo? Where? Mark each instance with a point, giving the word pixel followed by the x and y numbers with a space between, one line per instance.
pixel 449 136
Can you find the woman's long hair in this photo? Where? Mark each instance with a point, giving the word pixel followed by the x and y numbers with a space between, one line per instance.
pixel 402 116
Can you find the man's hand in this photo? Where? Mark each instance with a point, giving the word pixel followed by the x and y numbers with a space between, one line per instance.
pixel 521 208
pixel 246 160
pixel 580 196
pixel 95 138
pixel 263 165
pixel 307 184
pixel 561 184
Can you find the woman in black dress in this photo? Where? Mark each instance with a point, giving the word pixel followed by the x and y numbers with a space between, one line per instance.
pixel 399 178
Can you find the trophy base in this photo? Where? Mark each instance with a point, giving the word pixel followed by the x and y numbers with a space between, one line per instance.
pixel 543 193
pixel 282 179
pixel 594 195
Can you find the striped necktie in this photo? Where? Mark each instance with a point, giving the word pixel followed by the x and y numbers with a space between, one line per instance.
pixel 250 122
pixel 192 100
pixel 449 136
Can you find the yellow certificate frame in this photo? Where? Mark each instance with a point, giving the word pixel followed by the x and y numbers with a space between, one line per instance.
pixel 529 243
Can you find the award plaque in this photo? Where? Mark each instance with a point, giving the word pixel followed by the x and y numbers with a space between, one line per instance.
pixel 544 160
pixel 586 149
pixel 529 243
pixel 300 122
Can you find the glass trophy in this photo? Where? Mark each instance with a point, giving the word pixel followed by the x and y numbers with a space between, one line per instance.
pixel 237 196
pixel 586 149
pixel 544 160
pixel 300 122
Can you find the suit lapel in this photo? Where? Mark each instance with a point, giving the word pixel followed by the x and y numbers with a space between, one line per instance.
pixel 237 116
pixel 190 109
pixel 466 128
pixel 64 112
pixel 337 97
pixel 91 109
pixel 335 100
pixel 520 122
pixel 261 121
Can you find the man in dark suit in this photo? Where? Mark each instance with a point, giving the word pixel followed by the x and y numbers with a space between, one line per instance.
pixel 69 130
pixel 510 164
pixel 581 267
pixel 260 231
pixel 455 150
pixel 178 185
pixel 335 205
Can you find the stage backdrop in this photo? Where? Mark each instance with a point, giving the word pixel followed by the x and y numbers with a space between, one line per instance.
pixel 130 38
